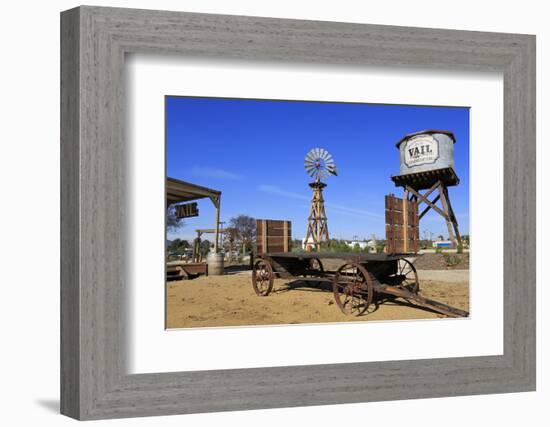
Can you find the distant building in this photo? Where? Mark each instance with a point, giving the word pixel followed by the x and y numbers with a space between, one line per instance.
pixel 362 245
pixel 442 244
pixel 310 242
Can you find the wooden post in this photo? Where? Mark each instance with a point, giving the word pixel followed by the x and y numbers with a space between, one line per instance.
pixel 285 236
pixel 406 221
pixel 217 227
pixel 197 256
pixel 264 235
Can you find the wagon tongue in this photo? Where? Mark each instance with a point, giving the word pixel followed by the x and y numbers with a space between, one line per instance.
pixel 430 304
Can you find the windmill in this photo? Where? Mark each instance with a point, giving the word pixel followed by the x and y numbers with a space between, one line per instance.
pixel 319 165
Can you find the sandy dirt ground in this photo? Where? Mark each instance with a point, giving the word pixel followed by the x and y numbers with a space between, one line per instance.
pixel 229 300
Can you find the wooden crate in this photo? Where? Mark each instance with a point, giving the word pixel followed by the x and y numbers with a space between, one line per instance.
pixel 402 230
pixel 273 235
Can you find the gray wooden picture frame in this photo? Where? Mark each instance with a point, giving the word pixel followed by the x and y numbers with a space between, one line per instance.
pixel 94 382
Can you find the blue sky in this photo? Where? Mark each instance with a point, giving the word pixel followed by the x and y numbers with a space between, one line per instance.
pixel 253 151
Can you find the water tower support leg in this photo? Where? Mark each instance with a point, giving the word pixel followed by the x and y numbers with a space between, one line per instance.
pixel 446 210
pixel 452 216
pixel 424 199
pixel 425 211
pixel 447 215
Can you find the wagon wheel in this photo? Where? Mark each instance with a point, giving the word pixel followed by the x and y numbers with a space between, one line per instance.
pixel 315 267
pixel 353 289
pixel 406 276
pixel 262 277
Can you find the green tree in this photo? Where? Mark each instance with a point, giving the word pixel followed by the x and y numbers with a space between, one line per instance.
pixel 229 240
pixel 178 245
pixel 205 247
pixel 173 223
pixel 335 245
pixel 245 230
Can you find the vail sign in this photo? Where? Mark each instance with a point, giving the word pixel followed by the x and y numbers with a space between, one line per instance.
pixel 420 150
pixel 186 211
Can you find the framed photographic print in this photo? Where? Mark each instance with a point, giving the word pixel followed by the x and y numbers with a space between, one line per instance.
pixel 288 189
pixel 321 258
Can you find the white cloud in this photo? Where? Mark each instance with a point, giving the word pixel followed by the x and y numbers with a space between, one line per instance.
pixel 352 211
pixel 346 210
pixel 214 173
pixel 273 189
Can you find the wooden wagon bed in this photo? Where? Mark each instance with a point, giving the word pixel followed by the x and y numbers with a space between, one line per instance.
pixel 356 281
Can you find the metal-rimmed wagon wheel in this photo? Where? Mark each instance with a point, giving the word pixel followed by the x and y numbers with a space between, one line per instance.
pixel 405 276
pixel 352 288
pixel 262 277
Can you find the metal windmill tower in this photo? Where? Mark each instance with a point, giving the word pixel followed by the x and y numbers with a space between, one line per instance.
pixel 319 165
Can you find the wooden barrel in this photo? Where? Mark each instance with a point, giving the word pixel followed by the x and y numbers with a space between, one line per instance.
pixel 215 264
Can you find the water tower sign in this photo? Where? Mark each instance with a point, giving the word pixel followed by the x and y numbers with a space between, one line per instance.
pixel 421 150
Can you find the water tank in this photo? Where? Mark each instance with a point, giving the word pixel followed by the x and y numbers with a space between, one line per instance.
pixel 426 150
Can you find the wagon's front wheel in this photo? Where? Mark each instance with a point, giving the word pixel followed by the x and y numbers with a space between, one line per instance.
pixel 353 289
pixel 262 277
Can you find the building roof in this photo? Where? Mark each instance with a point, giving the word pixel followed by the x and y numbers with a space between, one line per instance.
pixel 178 191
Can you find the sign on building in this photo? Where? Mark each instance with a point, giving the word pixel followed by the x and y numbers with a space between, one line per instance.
pixel 188 210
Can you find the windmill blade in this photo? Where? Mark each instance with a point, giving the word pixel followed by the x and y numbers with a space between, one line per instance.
pixel 311 168
pixel 332 169
pixel 320 153
pixel 313 152
pixel 310 155
pixel 328 158
pixel 317 153
pixel 311 171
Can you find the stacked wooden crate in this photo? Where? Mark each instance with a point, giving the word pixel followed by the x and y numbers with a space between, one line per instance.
pixel 273 236
pixel 402 231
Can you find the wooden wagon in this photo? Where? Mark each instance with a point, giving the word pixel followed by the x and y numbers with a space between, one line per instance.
pixel 355 284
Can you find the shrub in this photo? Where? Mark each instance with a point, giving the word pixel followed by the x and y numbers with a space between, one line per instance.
pixel 451 260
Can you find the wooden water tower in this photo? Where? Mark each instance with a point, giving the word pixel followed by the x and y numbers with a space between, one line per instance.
pixel 427 168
